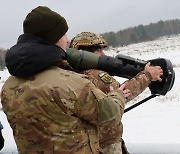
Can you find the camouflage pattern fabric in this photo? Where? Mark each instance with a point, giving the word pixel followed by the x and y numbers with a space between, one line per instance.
pixel 138 84
pixel 113 149
pixel 88 39
pixel 103 82
pixel 110 134
pixel 59 111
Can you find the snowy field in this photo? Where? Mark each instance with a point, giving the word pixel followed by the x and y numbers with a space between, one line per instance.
pixel 151 128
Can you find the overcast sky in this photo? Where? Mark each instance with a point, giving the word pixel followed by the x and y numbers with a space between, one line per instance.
pixel 97 16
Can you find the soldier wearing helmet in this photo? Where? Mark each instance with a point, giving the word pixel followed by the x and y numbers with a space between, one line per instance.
pixel 90 42
pixel 111 135
pixel 50 108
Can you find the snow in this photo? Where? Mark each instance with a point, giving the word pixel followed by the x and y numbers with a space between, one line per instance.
pixel 10 146
pixel 154 126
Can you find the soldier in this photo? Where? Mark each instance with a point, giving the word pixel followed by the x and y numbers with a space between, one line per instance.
pixel 1 137
pixel 50 108
pixel 111 135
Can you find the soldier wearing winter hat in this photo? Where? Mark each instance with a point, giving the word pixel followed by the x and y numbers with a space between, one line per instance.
pixel 46 24
pixel 50 108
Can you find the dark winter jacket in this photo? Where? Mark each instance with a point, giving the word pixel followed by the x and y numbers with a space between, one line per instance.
pixel 32 55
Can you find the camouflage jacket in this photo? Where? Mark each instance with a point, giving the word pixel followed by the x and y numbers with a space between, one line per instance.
pixel 103 80
pixel 111 133
pixel 59 111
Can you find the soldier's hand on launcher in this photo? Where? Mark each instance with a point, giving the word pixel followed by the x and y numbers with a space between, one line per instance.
pixel 155 71
pixel 126 92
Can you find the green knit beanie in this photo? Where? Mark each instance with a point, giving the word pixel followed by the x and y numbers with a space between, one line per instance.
pixel 46 24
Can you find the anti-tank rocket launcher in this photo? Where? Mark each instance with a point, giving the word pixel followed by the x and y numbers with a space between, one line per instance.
pixel 124 66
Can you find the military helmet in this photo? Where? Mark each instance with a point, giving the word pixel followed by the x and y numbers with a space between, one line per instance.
pixel 88 39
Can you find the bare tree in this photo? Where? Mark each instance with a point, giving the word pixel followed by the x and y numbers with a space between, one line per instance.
pixel 2 58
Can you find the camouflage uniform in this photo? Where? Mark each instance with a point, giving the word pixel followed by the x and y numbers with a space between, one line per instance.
pixel 59 111
pixel 110 135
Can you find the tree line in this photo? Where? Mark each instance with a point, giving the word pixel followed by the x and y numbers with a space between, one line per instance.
pixel 142 33
pixel 128 36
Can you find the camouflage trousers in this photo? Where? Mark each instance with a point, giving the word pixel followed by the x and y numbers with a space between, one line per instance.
pixel 112 149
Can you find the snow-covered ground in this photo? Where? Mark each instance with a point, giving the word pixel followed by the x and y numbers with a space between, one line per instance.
pixel 151 128
pixel 154 127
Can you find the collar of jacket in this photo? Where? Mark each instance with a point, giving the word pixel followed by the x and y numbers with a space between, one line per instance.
pixel 32 55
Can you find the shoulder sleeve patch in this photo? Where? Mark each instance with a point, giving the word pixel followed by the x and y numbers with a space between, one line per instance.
pixel 105 77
